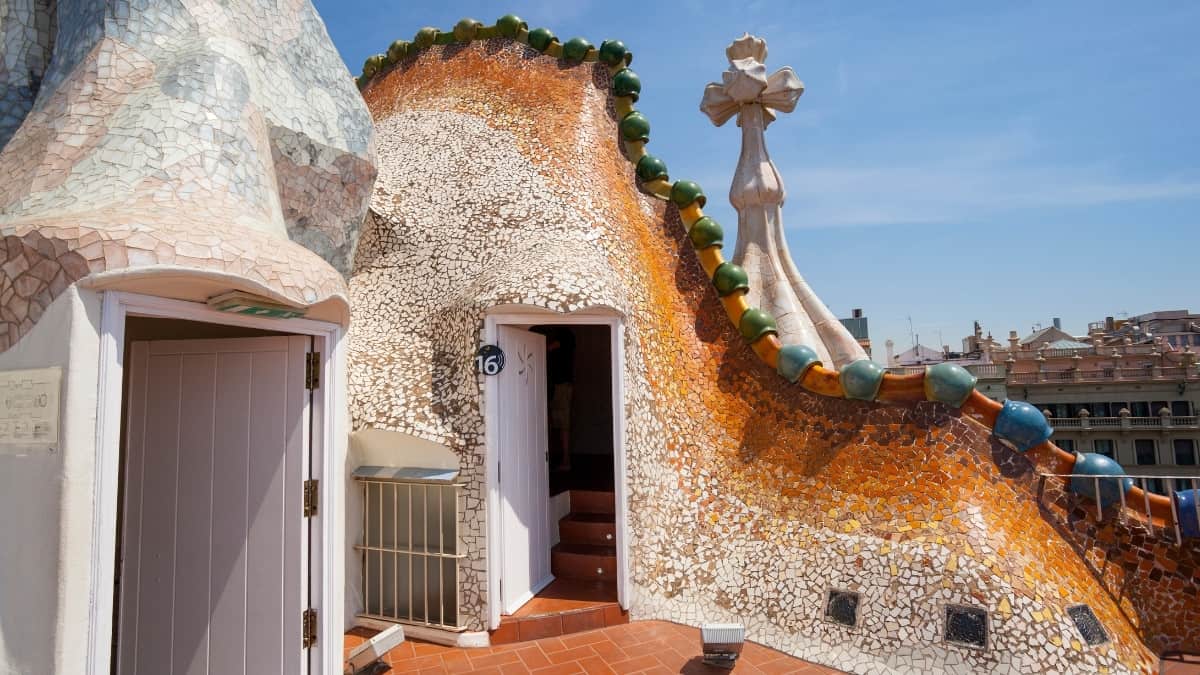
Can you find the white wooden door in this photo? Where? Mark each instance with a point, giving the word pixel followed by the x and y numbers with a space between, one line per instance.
pixel 214 545
pixel 524 469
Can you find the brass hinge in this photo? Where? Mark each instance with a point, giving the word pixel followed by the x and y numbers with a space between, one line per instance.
pixel 312 370
pixel 309 621
pixel 310 498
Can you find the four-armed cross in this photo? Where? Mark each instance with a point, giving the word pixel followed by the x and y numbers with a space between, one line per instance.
pixel 757 193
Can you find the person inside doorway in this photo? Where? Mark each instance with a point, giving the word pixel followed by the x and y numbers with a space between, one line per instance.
pixel 560 374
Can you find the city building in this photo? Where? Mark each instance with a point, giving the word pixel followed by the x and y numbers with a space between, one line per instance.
pixel 976 357
pixel 1129 389
pixel 856 323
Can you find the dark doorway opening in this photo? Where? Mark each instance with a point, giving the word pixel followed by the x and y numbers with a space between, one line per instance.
pixel 580 415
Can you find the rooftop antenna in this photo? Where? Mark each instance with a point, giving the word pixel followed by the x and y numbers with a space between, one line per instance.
pixel 912 337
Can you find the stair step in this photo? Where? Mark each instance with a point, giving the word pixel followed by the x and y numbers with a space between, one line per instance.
pixel 593 501
pixel 597 529
pixel 583 561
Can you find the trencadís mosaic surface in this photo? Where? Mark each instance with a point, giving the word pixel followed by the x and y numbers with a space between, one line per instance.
pixel 513 170
pixel 204 139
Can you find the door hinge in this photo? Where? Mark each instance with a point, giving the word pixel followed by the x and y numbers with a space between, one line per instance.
pixel 309 627
pixel 498 465
pixel 312 370
pixel 310 498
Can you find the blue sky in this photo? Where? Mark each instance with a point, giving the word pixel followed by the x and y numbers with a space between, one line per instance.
pixel 949 161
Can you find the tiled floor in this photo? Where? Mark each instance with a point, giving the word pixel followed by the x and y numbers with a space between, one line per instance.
pixel 645 647
pixel 564 595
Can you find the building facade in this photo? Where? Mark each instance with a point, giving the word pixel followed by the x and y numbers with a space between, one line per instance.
pixel 1129 389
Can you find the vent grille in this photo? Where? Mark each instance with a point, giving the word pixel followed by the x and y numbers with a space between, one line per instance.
pixel 1088 625
pixel 410 552
pixel 842 607
pixel 966 626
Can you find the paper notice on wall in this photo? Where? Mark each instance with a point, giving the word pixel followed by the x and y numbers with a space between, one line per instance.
pixel 29 409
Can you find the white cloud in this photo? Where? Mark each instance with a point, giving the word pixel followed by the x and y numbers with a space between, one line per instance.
pixel 964 180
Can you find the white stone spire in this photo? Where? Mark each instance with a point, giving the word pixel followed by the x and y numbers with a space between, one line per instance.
pixel 757 193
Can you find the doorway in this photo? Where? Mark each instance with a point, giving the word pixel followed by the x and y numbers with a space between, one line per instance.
pixel 212 552
pixel 556 498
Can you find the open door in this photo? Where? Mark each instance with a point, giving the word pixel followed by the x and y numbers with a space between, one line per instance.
pixel 523 471
pixel 214 542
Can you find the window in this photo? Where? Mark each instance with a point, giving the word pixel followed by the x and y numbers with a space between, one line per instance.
pixel 1066 444
pixel 1185 451
pixel 1158 405
pixel 1154 485
pixel 842 607
pixel 1140 408
pixel 1182 484
pixel 1181 408
pixel 1100 409
pixel 1116 406
pixel 1143 449
pixel 1088 625
pixel 1104 446
pixel 966 625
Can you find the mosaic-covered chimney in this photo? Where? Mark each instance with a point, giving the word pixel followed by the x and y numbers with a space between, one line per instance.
pixel 757 193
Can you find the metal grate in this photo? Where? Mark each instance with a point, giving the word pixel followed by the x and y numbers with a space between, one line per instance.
pixel 409 545
pixel 966 625
pixel 1088 625
pixel 842 607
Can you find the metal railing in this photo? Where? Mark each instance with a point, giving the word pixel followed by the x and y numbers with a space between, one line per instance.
pixel 1163 422
pixel 410 552
pixel 1106 374
pixel 1141 506
pixel 976 369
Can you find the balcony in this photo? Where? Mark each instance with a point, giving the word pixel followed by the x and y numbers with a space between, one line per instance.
pixel 1147 374
pixel 1161 423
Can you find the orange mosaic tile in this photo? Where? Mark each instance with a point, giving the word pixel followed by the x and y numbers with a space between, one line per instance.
pixel 502 181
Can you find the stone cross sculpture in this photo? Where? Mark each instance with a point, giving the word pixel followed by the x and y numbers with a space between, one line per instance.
pixel 757 193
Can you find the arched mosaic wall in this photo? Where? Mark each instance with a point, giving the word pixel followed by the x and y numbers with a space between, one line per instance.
pixel 502 180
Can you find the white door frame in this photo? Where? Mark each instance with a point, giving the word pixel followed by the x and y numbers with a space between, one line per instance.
pixel 523 315
pixel 329 438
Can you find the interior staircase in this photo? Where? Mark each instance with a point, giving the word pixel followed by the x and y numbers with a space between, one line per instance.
pixel 587 539
pixel 583 595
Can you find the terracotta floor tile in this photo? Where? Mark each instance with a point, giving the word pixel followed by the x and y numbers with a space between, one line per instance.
pixel 635 664
pixel 533 657
pixel 609 651
pixel 507 632
pixel 572 668
pixel 595 665
pixel 487 660
pixel 586 638
pixel 551 645
pixel 573 654
pixel 456 662
pixel 535 628
pixel 415 664
pixel 588 620
pixel 641 647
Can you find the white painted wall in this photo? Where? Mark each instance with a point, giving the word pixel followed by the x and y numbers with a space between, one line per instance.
pixel 46 502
